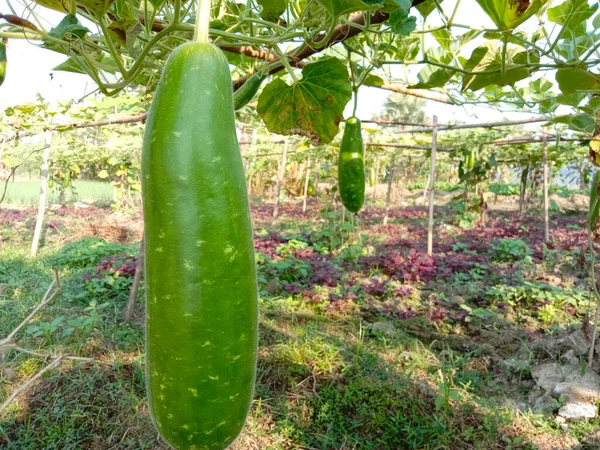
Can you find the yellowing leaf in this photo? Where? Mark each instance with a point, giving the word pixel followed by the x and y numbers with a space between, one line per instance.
pixel 509 14
pixel 312 106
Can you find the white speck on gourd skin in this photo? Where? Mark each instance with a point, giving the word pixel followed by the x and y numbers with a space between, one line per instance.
pixel 215 378
pixel 188 265
pixel 206 344
pixel 200 243
pixel 183 178
pixel 159 249
pixel 193 391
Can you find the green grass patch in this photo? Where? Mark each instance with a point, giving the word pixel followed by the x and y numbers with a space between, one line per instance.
pixel 28 193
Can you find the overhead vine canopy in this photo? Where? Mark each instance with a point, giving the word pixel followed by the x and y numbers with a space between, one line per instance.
pixel 538 56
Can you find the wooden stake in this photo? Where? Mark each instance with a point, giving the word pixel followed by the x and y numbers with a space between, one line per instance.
pixel 306 184
pixel 432 187
pixel 389 189
pixel 317 170
pixel 43 193
pixel 280 178
pixel 137 278
pixel 376 179
pixel 546 200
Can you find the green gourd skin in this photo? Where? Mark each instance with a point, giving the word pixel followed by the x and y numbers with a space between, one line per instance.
pixel 594 201
pixel 351 167
pixel 248 90
pixel 2 62
pixel 471 160
pixel 201 291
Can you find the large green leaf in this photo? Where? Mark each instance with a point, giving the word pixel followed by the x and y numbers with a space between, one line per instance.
pixel 56 5
pixel 312 106
pixel 509 14
pixel 572 14
pixel 431 76
pixel 69 29
pixel 575 79
pixel 272 9
pixel 488 58
pixel 578 122
pixel 427 7
pixel 69 66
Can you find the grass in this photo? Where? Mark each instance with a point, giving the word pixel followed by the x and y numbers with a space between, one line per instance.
pixel 326 379
pixel 28 193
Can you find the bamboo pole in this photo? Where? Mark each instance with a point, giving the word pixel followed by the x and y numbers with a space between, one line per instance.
pixel 43 194
pixel 280 176
pixel 376 179
pixel 137 278
pixel 389 189
pixel 546 201
pixel 306 184
pixel 432 187
pixel 317 169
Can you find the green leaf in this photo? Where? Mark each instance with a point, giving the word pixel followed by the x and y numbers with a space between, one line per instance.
pixel 426 7
pixel 432 76
pixel 69 66
pixel 578 122
pixel 406 49
pixel 56 5
pixel 572 14
pixel 573 99
pixel 444 38
pixel 272 9
pixel 596 22
pixel 69 29
pixel 401 23
pixel 574 79
pixel 98 7
pixel 312 106
pixel 509 14
pixel 373 80
pixel 339 7
pixel 489 58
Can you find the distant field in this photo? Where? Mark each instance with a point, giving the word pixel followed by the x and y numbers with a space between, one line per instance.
pixel 28 192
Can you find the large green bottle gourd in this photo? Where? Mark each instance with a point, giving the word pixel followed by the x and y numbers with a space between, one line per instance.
pixel 201 293
pixel 594 210
pixel 351 166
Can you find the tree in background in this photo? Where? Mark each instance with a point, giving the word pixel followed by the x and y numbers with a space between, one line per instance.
pixel 403 108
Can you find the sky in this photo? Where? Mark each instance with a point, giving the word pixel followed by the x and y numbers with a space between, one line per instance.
pixel 29 72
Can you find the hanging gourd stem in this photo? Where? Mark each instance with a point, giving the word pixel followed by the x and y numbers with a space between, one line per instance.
pixel 202 22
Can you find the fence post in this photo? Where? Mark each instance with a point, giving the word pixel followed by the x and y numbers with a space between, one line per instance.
pixel 376 179
pixel 546 200
pixel 389 189
pixel 280 178
pixel 317 168
pixel 43 193
pixel 432 186
pixel 306 184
